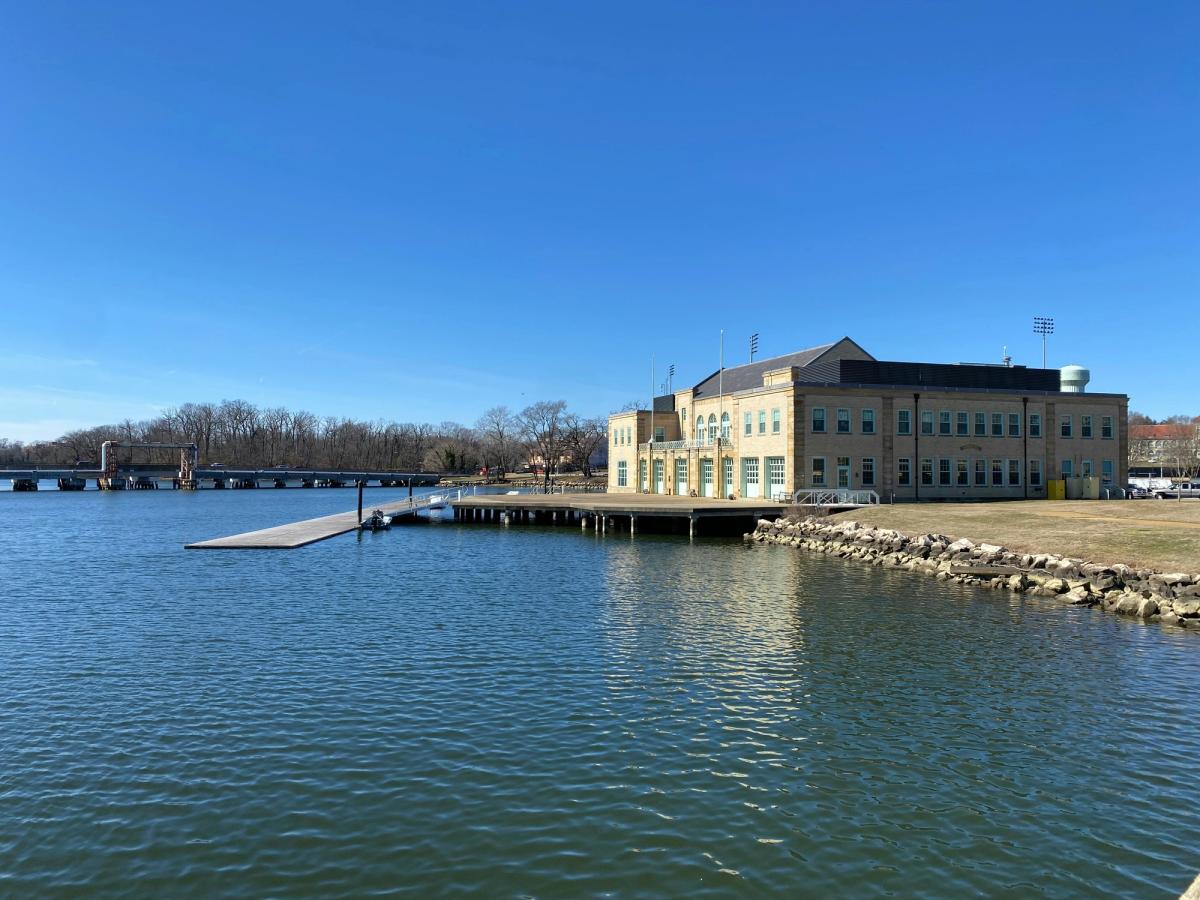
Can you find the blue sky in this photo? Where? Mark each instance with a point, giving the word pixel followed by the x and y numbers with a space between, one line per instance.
pixel 415 212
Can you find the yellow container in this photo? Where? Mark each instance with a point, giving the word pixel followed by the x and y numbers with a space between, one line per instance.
pixel 1056 489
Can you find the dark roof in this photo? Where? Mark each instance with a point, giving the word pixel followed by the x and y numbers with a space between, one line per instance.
pixel 744 378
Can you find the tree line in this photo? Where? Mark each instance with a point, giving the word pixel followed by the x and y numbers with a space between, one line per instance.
pixel 236 432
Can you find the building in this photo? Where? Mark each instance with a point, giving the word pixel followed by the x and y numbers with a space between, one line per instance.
pixel 835 417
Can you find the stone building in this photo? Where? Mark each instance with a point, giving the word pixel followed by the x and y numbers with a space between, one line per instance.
pixel 835 417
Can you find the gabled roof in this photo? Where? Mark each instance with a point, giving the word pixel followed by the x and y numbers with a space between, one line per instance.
pixel 743 378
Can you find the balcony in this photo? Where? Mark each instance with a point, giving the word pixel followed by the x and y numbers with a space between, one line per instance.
pixel 687 445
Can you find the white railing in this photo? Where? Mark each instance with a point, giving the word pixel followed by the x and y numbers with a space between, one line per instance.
pixel 705 444
pixel 835 498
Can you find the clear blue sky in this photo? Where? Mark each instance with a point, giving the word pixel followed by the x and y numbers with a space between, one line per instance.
pixel 415 212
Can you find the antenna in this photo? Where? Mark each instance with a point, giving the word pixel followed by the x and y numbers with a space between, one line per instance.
pixel 1043 325
pixel 753 345
pixel 1007 359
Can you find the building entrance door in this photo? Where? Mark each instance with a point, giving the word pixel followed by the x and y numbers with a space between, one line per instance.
pixel 706 478
pixel 750 487
pixel 659 486
pixel 681 487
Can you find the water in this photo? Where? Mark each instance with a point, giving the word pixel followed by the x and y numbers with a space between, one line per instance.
pixel 449 709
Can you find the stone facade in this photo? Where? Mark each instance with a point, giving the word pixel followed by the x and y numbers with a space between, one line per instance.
pixel 789 432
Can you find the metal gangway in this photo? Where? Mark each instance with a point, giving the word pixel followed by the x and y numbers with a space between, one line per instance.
pixel 841 499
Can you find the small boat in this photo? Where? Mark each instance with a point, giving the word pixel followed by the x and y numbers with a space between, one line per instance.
pixel 511 493
pixel 437 501
pixel 376 521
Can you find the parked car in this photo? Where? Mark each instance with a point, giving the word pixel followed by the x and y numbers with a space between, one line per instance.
pixel 1136 492
pixel 1183 489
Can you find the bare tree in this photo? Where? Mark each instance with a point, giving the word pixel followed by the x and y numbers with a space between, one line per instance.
pixel 498 430
pixel 541 425
pixel 582 438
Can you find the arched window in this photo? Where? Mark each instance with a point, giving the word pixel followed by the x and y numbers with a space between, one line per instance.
pixel 725 426
pixel 712 427
pixel 700 429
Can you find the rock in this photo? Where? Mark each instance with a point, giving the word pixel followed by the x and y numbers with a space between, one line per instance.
pixel 990 548
pixel 1017 582
pixel 962 545
pixel 1128 605
pixel 1187 608
pixel 1054 585
pixel 1170 619
pixel 1147 608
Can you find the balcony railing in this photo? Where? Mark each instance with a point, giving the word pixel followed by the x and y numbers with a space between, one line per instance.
pixel 687 445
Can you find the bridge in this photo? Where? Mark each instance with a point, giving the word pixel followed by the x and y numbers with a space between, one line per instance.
pixel 188 474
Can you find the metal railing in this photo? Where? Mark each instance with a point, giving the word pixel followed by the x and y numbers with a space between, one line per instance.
pixel 835 498
pixel 705 444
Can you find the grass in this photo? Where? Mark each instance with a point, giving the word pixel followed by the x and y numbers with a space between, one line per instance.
pixel 1155 534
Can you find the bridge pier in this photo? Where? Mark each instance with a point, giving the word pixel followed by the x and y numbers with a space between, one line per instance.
pixel 24 485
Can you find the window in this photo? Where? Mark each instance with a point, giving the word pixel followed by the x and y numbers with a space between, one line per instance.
pixel 980 424
pixel 997 473
pixel 1014 424
pixel 1106 471
pixel 775 421
pixel 961 476
pixel 944 472
pixel 1085 426
pixel 868 471
pixel 1106 432
pixel 762 421
pixel 904 421
pixel 622 474
pixel 1014 472
pixel 980 472
pixel 962 424
pixel 660 434
pixel 1066 468
pixel 712 427
pixel 1064 427
pixel 725 426
pixel 926 422
pixel 903 472
pixel 943 422
pixel 747 424
pixel 642 474
pixel 927 472
pixel 843 421
pixel 1035 472
pixel 1085 467
pixel 700 430
pixel 818 471
pixel 997 424
pixel 868 421
pixel 818 420
pixel 683 414
pixel 1035 424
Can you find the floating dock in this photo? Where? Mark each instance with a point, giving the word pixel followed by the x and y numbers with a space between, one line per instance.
pixel 309 531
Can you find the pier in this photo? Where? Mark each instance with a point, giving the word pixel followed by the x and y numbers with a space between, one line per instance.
pixel 620 512
pixel 309 531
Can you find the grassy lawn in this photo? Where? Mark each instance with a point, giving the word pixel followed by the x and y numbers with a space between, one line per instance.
pixel 1156 534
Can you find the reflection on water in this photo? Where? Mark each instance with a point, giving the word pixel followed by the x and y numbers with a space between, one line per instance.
pixel 451 708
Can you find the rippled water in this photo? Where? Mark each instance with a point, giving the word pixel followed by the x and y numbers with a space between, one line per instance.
pixel 533 711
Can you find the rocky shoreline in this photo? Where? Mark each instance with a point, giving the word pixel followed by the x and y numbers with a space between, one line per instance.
pixel 1169 598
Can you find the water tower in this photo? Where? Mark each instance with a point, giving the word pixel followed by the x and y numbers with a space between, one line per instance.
pixel 1073 379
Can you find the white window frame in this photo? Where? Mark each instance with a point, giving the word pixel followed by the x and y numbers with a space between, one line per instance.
pixel 904 416
pixel 622 474
pixel 812 420
pixel 867 420
pixel 823 475
pixel 847 419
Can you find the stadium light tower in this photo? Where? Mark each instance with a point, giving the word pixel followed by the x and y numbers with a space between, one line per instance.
pixel 753 345
pixel 1043 325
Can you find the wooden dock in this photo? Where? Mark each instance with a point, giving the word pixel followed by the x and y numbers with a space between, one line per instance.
pixel 615 511
pixel 309 531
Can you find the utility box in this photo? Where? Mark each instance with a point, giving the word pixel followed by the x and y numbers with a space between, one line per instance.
pixel 1056 489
